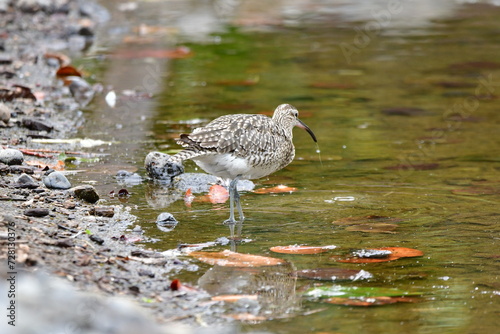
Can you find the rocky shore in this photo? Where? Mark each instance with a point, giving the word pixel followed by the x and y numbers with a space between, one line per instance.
pixel 70 264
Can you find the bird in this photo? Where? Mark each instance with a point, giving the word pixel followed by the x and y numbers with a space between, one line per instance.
pixel 242 147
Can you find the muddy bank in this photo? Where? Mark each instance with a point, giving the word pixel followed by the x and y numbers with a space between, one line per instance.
pixel 51 234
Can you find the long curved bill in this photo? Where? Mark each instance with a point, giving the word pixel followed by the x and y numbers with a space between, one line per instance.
pixel 302 125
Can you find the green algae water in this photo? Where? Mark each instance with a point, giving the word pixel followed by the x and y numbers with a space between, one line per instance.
pixel 408 122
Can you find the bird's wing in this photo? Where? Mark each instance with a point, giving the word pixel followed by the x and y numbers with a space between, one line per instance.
pixel 240 134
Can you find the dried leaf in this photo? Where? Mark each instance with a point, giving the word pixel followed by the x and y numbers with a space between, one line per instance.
pixel 68 71
pixel 275 190
pixel 233 298
pixel 396 253
pixel 299 249
pixel 232 259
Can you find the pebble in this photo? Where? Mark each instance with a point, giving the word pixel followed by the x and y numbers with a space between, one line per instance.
pixel 36 212
pixel 81 90
pixel 26 181
pixel 166 222
pixel 85 192
pixel 18 169
pixel 128 178
pixel 37 125
pixel 56 180
pixel 103 211
pixel 10 156
pixel 158 166
pixel 4 113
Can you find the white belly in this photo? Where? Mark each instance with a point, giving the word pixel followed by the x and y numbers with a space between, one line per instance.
pixel 228 166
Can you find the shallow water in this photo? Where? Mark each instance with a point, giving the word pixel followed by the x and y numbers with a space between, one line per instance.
pixel 408 128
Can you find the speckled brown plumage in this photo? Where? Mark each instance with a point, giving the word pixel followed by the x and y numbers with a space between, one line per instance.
pixel 243 146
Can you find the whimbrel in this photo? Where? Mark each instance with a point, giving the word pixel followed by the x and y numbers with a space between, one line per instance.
pixel 242 146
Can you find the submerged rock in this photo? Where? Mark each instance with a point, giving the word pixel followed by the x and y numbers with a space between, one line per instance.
pixel 10 156
pixel 85 192
pixel 159 167
pixel 166 222
pixel 128 178
pixel 56 180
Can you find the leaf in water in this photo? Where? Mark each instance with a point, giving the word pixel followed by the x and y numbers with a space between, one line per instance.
pixel 373 228
pixel 423 166
pixel 68 71
pixel 188 198
pixel 475 65
pixel 403 111
pixel 455 84
pixel 233 298
pixel 333 274
pixel 366 220
pixel 232 259
pixel 370 301
pixel 218 194
pixel 298 249
pixel 476 191
pixel 366 256
pixel 275 190
pixel 357 292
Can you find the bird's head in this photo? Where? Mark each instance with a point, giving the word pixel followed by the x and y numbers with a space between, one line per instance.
pixel 288 116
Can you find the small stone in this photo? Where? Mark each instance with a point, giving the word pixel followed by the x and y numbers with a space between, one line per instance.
pixel 18 169
pixel 37 125
pixel 166 222
pixel 26 181
pixel 86 193
pixel 81 90
pixel 104 211
pixel 146 272
pixel 159 167
pixel 10 156
pixel 4 112
pixel 69 204
pixel 56 180
pixel 96 239
pixel 36 212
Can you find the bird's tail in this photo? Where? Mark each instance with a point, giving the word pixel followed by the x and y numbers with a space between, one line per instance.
pixel 186 154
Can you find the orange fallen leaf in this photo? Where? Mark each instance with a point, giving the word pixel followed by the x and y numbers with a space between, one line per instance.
pixel 233 298
pixel 218 194
pixel 188 197
pixel 298 249
pixel 232 259
pixel 176 285
pixel 275 190
pixel 66 71
pixel 39 164
pixel 396 253
pixel 247 317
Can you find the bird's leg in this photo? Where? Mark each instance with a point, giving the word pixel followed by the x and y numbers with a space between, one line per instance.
pixel 234 196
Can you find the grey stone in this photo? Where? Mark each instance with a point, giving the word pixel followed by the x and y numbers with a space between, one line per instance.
pixel 26 181
pixel 159 167
pixel 4 113
pixel 10 156
pixel 85 192
pixel 166 222
pixel 56 180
